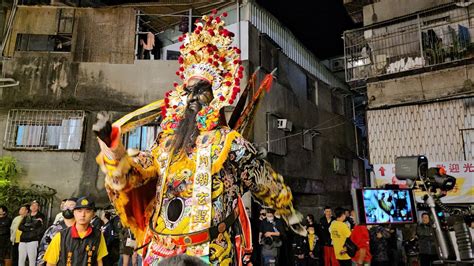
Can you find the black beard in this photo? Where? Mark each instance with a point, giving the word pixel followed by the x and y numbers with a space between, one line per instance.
pixel 187 131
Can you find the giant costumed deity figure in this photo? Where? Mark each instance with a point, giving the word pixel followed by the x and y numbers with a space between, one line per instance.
pixel 183 196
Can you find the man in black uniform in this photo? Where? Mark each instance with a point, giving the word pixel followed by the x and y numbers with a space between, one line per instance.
pixel 80 244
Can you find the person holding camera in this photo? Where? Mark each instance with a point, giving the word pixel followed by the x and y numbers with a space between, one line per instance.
pixel 271 234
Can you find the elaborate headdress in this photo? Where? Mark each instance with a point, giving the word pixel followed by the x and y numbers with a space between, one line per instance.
pixel 205 54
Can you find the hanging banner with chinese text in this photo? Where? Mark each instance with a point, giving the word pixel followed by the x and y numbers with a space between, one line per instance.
pixel 463 171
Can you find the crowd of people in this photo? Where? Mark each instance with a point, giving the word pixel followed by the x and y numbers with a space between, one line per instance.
pixel 81 234
pixel 325 243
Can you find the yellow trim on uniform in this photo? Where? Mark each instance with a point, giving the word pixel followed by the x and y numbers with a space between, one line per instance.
pixel 51 255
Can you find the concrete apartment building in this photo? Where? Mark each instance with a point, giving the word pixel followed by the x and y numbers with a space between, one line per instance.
pixel 65 63
pixel 414 62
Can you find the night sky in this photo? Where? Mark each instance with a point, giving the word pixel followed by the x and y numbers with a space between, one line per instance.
pixel 319 25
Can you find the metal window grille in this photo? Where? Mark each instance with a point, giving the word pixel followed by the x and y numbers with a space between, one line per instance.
pixel 142 138
pixel 44 129
pixel 425 39
pixel 433 130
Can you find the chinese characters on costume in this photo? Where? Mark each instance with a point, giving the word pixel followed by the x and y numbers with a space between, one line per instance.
pixel 183 195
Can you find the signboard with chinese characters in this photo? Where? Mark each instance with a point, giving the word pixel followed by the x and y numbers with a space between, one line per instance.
pixel 463 171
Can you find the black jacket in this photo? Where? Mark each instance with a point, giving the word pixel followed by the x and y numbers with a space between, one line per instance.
pixel 300 245
pixel 5 223
pixel 275 226
pixel 32 227
pixel 426 239
pixel 324 234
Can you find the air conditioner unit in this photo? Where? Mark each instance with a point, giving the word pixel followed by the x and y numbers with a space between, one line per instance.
pixel 284 124
pixel 337 64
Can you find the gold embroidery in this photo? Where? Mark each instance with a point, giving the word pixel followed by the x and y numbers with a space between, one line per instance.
pixel 202 179
pixel 202 198
pixel 204 162
pixel 69 259
pixel 201 216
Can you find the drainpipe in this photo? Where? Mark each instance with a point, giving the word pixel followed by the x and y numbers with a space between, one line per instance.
pixel 355 127
pixel 238 25
pixel 190 21
pixel 137 29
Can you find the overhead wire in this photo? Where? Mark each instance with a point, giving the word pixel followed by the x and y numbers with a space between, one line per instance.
pixel 306 130
pixel 314 128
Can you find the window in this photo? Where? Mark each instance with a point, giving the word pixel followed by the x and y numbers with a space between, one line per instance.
pixel 39 42
pixel 61 42
pixel 312 90
pixel 269 52
pixel 66 20
pixel 339 165
pixel 44 130
pixel 338 103
pixel 141 138
pixel 172 55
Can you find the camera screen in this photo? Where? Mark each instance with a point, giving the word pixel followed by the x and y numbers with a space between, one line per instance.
pixel 381 206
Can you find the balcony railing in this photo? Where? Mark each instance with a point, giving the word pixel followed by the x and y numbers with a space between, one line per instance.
pixel 426 39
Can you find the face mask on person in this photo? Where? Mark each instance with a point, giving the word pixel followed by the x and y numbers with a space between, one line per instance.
pixel 68 214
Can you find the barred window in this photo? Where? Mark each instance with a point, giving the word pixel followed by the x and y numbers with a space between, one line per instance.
pixel 44 129
pixel 141 138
